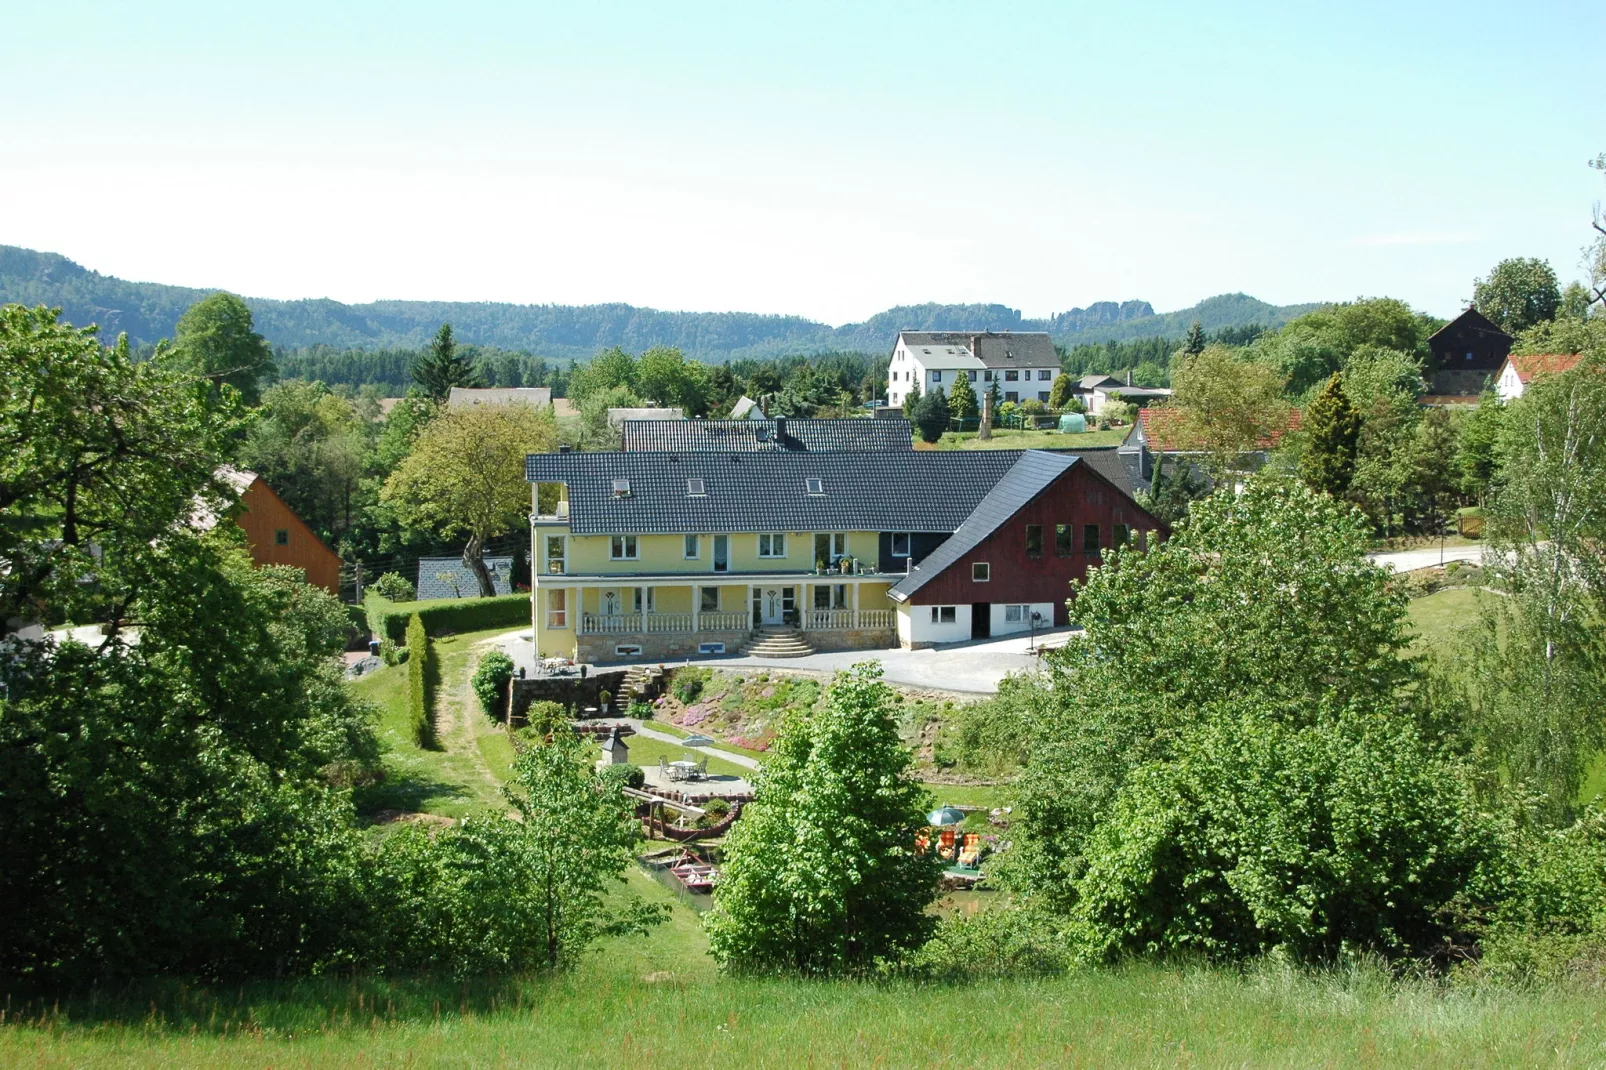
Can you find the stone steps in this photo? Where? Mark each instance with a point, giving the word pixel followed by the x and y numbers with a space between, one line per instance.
pixel 777 643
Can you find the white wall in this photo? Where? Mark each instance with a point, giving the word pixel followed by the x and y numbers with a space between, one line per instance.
pixel 1509 387
pixel 916 629
pixel 1000 626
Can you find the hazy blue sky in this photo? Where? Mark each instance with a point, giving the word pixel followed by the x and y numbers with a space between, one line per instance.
pixel 823 159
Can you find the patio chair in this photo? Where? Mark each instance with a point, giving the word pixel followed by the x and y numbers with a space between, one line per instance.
pixel 702 769
pixel 970 857
pixel 945 844
pixel 663 767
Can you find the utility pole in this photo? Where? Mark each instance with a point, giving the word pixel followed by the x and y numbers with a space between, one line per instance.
pixel 359 583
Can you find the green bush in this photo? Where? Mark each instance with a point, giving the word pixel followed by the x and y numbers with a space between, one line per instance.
pixel 490 682
pixel 689 683
pixel 544 716
pixel 421 683
pixel 393 587
pixel 623 776
pixel 451 615
pixel 641 710
pixel 717 808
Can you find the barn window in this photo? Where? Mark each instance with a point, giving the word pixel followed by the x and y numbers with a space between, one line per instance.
pixel 281 537
pixel 981 572
pixel 1034 540
pixel 1062 541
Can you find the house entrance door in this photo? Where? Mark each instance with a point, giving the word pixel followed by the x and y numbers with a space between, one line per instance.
pixel 774 606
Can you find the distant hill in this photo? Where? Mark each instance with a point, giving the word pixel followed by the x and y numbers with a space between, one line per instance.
pixel 148 312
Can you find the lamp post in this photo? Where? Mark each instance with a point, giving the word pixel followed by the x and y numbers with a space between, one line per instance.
pixel 1036 620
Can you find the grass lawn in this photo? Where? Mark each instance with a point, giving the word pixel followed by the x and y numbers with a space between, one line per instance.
pixel 1026 440
pixel 676 730
pixel 1440 617
pixel 645 752
pixel 474 758
pixel 657 1001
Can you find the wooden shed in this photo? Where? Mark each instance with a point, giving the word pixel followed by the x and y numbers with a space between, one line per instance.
pixel 277 536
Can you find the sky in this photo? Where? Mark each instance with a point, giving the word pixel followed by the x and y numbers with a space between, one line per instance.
pixel 821 159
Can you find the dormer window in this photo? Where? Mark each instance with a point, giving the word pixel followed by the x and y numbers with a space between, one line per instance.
pixel 621 488
pixel 695 488
pixel 814 485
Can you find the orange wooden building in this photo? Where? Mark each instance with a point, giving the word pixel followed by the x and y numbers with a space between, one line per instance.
pixel 277 536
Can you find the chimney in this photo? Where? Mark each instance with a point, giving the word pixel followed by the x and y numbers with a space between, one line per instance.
pixel 565 448
pixel 780 430
pixel 975 346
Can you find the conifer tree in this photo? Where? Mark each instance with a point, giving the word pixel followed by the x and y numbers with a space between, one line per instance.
pixel 962 402
pixel 910 401
pixel 931 416
pixel 441 368
pixel 1196 340
pixel 1334 429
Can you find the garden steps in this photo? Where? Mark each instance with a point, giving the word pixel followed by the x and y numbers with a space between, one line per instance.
pixel 777 643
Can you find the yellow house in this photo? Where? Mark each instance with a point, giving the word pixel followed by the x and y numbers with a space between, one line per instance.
pixel 789 536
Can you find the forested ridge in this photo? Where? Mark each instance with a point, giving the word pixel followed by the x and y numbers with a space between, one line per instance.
pixel 148 311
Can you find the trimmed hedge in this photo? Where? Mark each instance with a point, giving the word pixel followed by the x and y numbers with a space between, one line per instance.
pixel 444 616
pixel 421 682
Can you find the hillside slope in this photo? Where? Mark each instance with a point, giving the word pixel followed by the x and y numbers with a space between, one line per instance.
pixel 148 312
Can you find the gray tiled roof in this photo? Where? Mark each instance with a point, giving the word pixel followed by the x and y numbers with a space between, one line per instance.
pixel 1030 476
pixel 460 582
pixel 998 349
pixel 750 436
pixel 918 491
pixel 1107 461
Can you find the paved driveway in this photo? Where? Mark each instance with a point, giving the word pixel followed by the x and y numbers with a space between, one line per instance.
pixel 975 667
pixel 1409 560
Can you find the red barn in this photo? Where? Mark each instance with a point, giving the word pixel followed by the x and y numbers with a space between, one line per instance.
pixel 275 534
pixel 1009 566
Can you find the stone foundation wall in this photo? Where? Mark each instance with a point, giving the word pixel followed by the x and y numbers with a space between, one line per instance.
pixel 655 646
pixel 852 639
pixel 569 690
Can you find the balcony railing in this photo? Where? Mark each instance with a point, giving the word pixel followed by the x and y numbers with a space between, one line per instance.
pixel 657 623
pixel 826 620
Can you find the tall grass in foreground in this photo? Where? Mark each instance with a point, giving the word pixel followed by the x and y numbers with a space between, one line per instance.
pixel 603 1015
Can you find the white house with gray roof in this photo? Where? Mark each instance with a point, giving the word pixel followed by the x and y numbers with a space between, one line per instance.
pixel 1022 363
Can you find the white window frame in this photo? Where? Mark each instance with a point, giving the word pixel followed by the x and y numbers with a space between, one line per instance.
pixel 772 545
pixel 624 548
pixel 945 614
pixel 908 543
pixel 562 558
pixel 557 608
pixel 981 572
pixel 936 375
pixel 696 488
pixel 1014 614
pixel 692 547
pixel 814 485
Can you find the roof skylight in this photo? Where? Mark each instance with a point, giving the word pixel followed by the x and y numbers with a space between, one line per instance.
pixel 814 485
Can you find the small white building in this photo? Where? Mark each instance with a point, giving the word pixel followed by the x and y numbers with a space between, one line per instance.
pixel 1024 364
pixel 1518 371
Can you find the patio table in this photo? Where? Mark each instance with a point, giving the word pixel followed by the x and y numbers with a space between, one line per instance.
pixel 682 770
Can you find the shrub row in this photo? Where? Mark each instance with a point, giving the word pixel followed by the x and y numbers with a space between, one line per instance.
pixel 389 620
pixel 421 682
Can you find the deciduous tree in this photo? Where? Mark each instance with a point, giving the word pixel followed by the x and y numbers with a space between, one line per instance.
pixel 465 476
pixel 821 875
pixel 1226 406
pixel 217 343
pixel 1518 293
